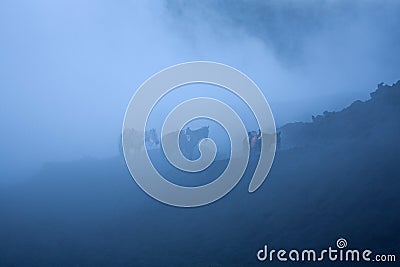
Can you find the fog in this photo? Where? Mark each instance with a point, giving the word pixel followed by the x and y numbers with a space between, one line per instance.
pixel 69 68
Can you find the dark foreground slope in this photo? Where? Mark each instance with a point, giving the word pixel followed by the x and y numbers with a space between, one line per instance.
pixel 340 177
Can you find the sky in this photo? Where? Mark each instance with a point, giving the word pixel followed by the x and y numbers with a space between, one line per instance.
pixel 69 68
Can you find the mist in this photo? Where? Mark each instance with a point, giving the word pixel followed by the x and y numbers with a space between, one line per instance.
pixel 69 68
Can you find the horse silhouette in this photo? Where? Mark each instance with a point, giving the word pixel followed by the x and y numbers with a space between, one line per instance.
pixel 151 138
pixel 188 140
pixel 256 138
pixel 193 138
pixel 134 139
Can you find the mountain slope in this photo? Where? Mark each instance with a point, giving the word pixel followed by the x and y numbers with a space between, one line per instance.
pixel 376 117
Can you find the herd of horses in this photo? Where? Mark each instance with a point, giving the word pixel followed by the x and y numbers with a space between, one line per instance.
pixel 189 139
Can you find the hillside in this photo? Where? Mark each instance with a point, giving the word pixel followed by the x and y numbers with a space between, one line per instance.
pixel 335 177
pixel 376 118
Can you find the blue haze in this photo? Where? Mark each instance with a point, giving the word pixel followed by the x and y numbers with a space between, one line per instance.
pixel 69 68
